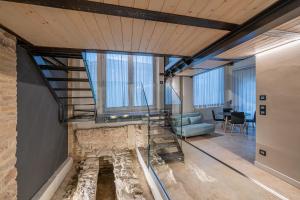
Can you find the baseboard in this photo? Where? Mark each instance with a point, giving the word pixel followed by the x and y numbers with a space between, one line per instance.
pixel 153 187
pixel 50 187
pixel 278 174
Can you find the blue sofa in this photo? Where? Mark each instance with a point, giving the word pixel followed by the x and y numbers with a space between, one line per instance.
pixel 192 125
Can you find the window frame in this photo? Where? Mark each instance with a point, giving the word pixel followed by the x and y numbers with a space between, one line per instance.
pixel 130 106
pixel 223 91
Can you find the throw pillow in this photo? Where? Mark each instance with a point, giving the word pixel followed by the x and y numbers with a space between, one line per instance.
pixel 195 120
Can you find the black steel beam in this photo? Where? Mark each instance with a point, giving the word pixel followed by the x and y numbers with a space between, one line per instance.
pixel 55 52
pixel 59 68
pixel 72 89
pixel 116 10
pixel 68 79
pixel 89 104
pixel 228 59
pixel 275 15
pixel 85 110
pixel 83 97
pixel 77 53
pixel 52 67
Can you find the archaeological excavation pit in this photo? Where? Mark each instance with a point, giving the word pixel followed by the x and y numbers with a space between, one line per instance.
pixel 115 176
pixel 106 189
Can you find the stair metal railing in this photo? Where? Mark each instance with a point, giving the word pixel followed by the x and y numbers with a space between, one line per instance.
pixel 56 73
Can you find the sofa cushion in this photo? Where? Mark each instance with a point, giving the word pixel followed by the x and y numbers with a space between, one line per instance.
pixel 195 129
pixel 177 121
pixel 185 121
pixel 195 120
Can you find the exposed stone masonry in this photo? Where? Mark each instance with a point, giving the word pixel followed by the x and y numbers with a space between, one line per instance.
pixel 127 183
pixel 99 142
pixel 87 180
pixel 8 116
pixel 115 145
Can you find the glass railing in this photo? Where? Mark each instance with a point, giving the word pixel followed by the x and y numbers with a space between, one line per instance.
pixel 198 175
pixel 181 170
pixel 120 102
pixel 90 62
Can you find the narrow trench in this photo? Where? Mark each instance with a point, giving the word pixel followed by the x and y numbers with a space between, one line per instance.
pixel 106 189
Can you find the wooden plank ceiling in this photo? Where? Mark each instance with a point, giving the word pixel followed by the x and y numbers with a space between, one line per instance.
pixel 283 34
pixel 53 27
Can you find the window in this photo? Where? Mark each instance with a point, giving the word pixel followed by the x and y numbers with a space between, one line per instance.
pixel 116 80
pixel 143 78
pixel 126 77
pixel 208 88
pixel 170 61
pixel 244 90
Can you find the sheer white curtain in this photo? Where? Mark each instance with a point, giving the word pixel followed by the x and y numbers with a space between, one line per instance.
pixel 244 90
pixel 143 75
pixel 124 78
pixel 116 80
pixel 208 88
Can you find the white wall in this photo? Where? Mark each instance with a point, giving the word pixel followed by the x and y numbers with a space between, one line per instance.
pixel 228 85
pixel 160 79
pixel 187 94
pixel 278 77
pixel 176 81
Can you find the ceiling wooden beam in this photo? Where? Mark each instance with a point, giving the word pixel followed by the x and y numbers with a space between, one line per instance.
pixel 277 14
pixel 116 10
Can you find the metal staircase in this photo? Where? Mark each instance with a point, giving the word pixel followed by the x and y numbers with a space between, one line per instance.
pixel 69 85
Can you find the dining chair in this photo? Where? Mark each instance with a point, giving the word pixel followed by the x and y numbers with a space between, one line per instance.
pixel 227 116
pixel 253 120
pixel 237 118
pixel 227 109
pixel 217 119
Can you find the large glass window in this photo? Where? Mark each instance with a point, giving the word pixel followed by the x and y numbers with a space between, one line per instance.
pixel 143 78
pixel 208 88
pixel 116 80
pixel 244 90
pixel 125 78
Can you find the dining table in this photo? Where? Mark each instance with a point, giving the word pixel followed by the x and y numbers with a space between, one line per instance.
pixel 227 116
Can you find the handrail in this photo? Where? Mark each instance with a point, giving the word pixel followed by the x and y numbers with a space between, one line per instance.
pixel 148 125
pixel 181 111
pixel 176 94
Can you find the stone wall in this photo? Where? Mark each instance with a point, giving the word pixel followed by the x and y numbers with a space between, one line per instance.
pixel 127 182
pixel 97 142
pixel 8 116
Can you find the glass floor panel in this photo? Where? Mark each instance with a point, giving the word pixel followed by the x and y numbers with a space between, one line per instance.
pixel 201 177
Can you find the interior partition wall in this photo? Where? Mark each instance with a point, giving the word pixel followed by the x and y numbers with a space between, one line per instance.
pixel 42 141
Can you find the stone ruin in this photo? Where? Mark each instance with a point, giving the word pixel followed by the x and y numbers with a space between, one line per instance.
pixel 126 181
